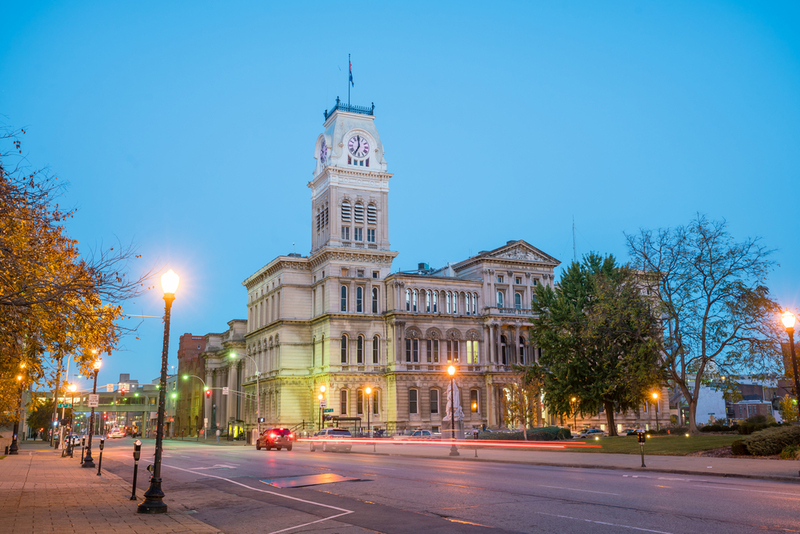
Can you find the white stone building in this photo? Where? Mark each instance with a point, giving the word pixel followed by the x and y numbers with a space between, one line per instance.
pixel 340 318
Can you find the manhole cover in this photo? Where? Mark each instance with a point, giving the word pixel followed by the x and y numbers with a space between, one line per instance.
pixel 307 480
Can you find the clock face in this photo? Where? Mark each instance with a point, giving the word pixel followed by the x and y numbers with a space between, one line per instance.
pixel 323 153
pixel 358 146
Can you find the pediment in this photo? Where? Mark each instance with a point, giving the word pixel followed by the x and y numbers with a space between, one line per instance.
pixel 521 250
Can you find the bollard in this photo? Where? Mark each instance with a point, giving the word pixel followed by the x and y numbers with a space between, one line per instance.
pixel 100 460
pixel 642 437
pixel 83 448
pixel 137 451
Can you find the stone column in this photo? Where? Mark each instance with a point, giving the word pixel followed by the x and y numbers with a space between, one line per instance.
pixel 516 344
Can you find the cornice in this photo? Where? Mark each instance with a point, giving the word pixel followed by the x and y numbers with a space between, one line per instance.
pixel 273 267
pixel 351 255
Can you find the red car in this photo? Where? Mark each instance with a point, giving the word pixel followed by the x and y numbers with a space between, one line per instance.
pixel 280 438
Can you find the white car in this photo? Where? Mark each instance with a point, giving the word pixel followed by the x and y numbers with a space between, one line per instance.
pixel 331 439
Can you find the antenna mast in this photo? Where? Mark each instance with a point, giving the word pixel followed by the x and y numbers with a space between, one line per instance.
pixel 574 250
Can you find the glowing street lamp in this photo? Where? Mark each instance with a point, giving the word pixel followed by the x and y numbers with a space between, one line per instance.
pixel 87 460
pixel 575 413
pixel 453 449
pixel 154 497
pixel 788 320
pixel 655 401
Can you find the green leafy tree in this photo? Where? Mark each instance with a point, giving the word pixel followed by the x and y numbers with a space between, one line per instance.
pixel 522 397
pixel 718 317
pixel 599 340
pixel 788 409
pixel 40 413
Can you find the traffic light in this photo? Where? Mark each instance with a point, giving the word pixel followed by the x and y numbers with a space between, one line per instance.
pixel 105 415
pixel 208 393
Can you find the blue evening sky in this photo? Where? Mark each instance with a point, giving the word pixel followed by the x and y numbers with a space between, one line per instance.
pixel 189 128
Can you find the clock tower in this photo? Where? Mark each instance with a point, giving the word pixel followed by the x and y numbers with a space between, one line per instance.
pixel 350 187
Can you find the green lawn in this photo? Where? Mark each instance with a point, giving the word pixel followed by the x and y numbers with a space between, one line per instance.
pixel 669 445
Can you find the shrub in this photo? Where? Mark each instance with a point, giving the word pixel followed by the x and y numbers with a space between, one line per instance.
pixel 757 419
pixel 772 440
pixel 749 427
pixel 716 428
pixel 789 452
pixel 564 433
pixel 737 447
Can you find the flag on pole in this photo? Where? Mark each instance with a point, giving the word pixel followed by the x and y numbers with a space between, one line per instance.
pixel 351 72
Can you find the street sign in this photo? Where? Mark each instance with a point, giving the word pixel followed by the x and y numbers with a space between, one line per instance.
pixel 323 403
pixel 205 422
pixel 64 405
pixel 225 390
pixel 327 410
pixel 94 401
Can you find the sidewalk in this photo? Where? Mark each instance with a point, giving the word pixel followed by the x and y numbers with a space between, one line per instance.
pixel 42 492
pixel 756 468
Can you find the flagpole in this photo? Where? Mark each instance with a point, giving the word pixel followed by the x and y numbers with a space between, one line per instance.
pixel 349 77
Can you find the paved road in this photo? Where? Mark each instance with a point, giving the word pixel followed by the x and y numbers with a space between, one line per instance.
pixel 394 494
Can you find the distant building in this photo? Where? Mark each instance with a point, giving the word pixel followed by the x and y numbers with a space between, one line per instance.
pixel 189 414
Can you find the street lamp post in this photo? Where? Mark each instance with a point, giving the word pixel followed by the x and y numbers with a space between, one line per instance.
pixel 14 448
pixel 154 498
pixel 258 391
pixel 788 320
pixel 368 391
pixel 575 413
pixel 320 397
pixel 87 460
pixel 453 449
pixel 655 401
pixel 205 388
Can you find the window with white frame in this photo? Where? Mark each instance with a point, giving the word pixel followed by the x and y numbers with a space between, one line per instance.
pixel 474 304
pixel 433 350
pixel 435 302
pixel 343 402
pixel 413 399
pixel 358 234
pixel 359 299
pixel 370 235
pixel 518 280
pixel 343 298
pixel 449 298
pixel 518 301
pixel 412 350
pixel 344 349
pixel 345 233
pixel 414 302
pixel 455 302
pixel 434 401
pixel 428 301
pixel 500 299
pixel 408 300
pixel 472 352
pixel 376 350
pixel 452 350
pixel 474 401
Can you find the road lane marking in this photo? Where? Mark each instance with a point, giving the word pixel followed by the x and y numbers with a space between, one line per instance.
pixel 603 523
pixel 573 489
pixel 343 510
pixel 795 495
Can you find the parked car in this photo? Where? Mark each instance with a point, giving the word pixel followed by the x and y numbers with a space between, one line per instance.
pixel 422 434
pixel 331 439
pixel 275 437
pixel 116 433
pixel 75 439
pixel 591 433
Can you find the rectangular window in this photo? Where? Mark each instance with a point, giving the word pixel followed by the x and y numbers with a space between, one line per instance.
pixel 535 282
pixel 519 280
pixel 370 235
pixel 452 350
pixel 433 350
pixel 345 233
pixel 360 402
pixel 412 401
pixel 499 279
pixel 358 234
pixel 472 352
pixel 343 402
pixel 415 350
pixel 434 401
pixel 375 274
pixel 408 350
pixel 360 273
pixel 473 401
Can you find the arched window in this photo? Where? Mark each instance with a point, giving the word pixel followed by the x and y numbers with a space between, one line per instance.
pixel 522 350
pixel 344 348
pixel 500 299
pixel 434 397
pixel 359 299
pixel 503 350
pixel 428 301
pixel 413 401
pixel 358 213
pixel 376 350
pixel 408 300
pixel 374 300
pixel 313 352
pixel 343 402
pixel 360 350
pixel 474 401
pixel 455 302
pixel 360 402
pixel 449 306
pixel 414 304
pixel 346 211
pixel 344 298
pixel 518 301
pixel 372 214
pixel 435 301
pixel 474 304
